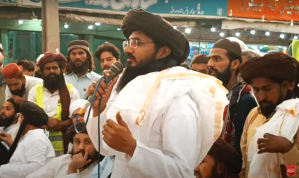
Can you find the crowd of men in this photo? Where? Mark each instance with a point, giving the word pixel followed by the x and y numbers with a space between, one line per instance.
pixel 231 114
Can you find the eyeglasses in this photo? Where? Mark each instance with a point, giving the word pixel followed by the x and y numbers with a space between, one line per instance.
pixel 133 43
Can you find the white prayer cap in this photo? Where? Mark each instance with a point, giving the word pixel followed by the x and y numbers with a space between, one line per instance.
pixel 78 103
pixel 241 43
pixel 39 57
pixel 1 47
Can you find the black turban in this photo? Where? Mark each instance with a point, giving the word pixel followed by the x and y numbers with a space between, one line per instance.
pixel 71 132
pixel 277 66
pixel 226 154
pixel 159 29
pixel 33 114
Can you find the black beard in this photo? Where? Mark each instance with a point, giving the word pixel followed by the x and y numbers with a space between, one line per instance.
pixel 225 76
pixel 53 83
pixel 6 122
pixel 78 69
pixel 38 74
pixel 214 173
pixel 268 108
pixel 93 157
pixel 20 92
pixel 145 67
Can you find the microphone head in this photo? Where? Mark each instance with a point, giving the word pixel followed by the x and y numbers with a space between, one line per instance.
pixel 117 68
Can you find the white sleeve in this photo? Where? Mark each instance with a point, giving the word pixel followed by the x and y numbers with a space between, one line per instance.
pixel 75 175
pixel 31 95
pixel 178 154
pixel 74 94
pixel 35 156
pixel 47 171
pixel 7 93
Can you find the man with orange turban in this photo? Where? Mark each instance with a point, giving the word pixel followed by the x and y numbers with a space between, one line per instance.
pixel 55 96
pixel 18 85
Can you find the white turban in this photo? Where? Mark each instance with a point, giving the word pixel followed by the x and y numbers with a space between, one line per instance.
pixel 39 57
pixel 78 103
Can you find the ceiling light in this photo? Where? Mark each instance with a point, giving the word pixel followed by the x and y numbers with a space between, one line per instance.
pixel 97 24
pixel 21 22
pixel 221 34
pixel 188 30
pixel 237 34
pixel 281 36
pixel 267 33
pixel 66 25
pixel 118 29
pixel 90 27
pixel 252 32
pixel 213 29
pixel 295 38
pixel 175 27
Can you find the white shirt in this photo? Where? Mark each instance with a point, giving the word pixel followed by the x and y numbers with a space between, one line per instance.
pixel 51 100
pixel 33 151
pixel 83 82
pixel 30 83
pixel 58 168
pixel 183 119
pixel 12 130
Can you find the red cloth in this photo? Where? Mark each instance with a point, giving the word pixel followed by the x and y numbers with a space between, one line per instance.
pixel 12 70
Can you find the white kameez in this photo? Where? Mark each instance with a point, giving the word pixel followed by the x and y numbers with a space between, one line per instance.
pixel 182 120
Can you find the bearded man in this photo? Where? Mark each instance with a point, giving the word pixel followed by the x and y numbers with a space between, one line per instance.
pixel 2 80
pixel 9 123
pixel 55 96
pixel 18 84
pixel 80 163
pixel 224 59
pixel 80 66
pixel 270 139
pixel 156 121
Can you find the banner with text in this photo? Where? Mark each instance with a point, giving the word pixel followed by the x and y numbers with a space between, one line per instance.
pixel 282 10
pixel 9 1
pixel 179 7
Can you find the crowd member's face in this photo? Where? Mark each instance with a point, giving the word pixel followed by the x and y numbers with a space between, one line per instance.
pixel 269 94
pixel 208 168
pixel 142 57
pixel 83 144
pixel 74 116
pixel 2 55
pixel 202 68
pixel 7 114
pixel 220 66
pixel 78 60
pixel 106 60
pixel 52 75
pixel 16 86
pixel 142 49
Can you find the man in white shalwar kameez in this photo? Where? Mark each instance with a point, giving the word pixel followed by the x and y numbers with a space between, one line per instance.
pixel 79 164
pixel 31 148
pixel 161 119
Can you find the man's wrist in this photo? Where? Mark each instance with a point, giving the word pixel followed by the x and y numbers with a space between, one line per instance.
pixel 71 170
pixel 131 149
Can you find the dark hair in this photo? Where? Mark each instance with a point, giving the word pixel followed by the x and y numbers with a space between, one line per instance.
pixel 232 56
pixel 185 66
pixel 200 59
pixel 91 66
pixel 27 65
pixel 71 132
pixel 16 106
pixel 108 47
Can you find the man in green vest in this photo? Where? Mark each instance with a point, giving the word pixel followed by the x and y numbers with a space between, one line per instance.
pixel 55 96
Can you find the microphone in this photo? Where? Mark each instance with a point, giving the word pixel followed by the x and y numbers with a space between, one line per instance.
pixel 115 69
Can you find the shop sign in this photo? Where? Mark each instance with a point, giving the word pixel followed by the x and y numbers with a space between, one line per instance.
pixel 282 10
pixel 178 7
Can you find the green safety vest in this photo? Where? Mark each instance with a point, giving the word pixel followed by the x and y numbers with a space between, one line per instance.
pixel 55 137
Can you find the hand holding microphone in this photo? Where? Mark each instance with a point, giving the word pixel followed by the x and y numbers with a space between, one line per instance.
pixel 105 88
